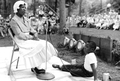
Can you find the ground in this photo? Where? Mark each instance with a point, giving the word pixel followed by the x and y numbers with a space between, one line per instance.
pixel 68 55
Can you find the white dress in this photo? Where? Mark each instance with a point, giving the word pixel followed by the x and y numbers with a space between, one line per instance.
pixel 34 51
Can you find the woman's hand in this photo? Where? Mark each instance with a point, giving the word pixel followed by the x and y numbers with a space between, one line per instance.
pixel 29 37
pixel 36 35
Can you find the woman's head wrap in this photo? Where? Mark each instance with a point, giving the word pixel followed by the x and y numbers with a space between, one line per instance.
pixel 17 5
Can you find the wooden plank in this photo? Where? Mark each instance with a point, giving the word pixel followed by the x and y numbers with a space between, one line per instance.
pixel 96 32
pixel 103 39
pixel 105 49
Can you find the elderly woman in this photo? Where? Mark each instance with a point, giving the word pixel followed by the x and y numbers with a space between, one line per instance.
pixel 30 46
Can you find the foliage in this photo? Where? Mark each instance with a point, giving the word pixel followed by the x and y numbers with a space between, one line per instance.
pixel 60 45
pixel 116 5
pixel 116 50
pixel 93 10
pixel 36 4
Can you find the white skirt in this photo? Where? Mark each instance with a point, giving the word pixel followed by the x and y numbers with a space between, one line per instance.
pixel 35 52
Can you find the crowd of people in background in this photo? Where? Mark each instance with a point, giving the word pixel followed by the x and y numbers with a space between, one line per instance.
pixel 42 20
pixel 4 24
pixel 46 18
pixel 108 21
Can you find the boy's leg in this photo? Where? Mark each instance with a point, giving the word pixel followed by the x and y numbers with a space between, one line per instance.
pixel 75 70
pixel 80 72
pixel 69 67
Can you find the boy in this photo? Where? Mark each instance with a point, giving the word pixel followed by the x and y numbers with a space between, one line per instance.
pixel 88 69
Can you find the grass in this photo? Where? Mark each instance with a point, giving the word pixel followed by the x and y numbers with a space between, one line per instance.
pixel 67 55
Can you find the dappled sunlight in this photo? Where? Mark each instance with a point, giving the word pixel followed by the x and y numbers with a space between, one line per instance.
pixel 6 42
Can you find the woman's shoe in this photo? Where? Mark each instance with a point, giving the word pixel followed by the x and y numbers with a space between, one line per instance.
pixel 33 70
pixel 40 70
pixel 37 71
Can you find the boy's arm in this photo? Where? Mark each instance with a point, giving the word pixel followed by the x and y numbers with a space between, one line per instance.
pixel 94 71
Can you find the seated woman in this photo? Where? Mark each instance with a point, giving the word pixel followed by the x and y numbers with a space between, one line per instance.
pixel 30 46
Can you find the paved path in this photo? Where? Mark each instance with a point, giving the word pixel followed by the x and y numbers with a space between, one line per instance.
pixel 22 74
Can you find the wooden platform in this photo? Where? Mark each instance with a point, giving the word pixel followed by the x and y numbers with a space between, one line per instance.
pixel 96 32
pixel 103 39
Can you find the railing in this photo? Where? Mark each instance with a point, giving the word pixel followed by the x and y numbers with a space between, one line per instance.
pixel 104 8
pixel 51 9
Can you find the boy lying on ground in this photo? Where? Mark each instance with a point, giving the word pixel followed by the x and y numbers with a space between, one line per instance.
pixel 88 69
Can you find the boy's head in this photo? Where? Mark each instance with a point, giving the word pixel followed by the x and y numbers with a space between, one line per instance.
pixel 90 47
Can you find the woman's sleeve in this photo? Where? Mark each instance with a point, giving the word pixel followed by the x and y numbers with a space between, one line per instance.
pixel 17 30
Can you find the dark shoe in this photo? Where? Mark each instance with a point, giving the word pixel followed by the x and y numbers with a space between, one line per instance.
pixel 16 49
pixel 56 66
pixel 40 70
pixel 37 71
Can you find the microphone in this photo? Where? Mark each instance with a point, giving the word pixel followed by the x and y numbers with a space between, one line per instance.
pixel 46 75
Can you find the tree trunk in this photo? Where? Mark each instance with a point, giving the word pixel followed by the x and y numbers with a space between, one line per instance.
pixel 56 1
pixel 62 15
pixel 34 8
pixel 80 7
pixel 12 3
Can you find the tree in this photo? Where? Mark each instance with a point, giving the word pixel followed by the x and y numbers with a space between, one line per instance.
pixel 116 5
pixel 62 15
pixel 12 3
pixel 80 7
